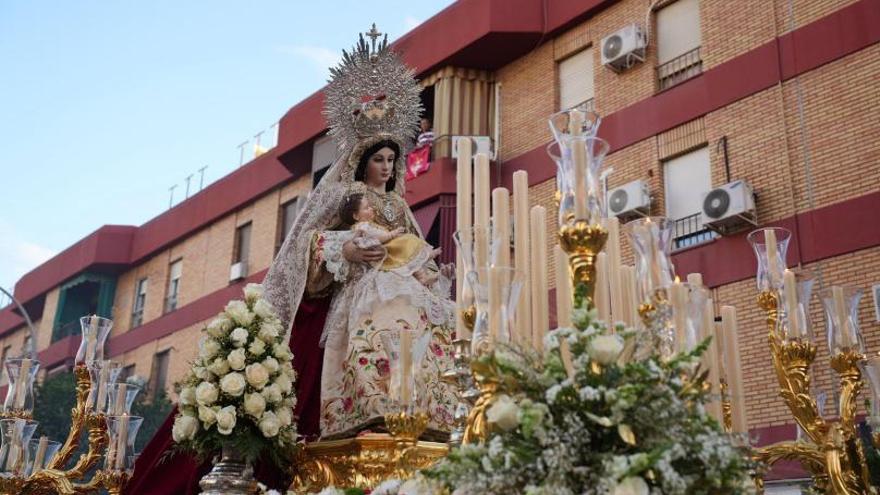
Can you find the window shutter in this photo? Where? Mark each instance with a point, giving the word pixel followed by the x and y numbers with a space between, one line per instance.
pixel 688 177
pixel 323 153
pixel 576 79
pixel 176 270
pixel 678 29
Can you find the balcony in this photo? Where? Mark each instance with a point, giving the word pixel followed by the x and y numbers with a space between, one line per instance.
pixel 679 69
pixel 689 231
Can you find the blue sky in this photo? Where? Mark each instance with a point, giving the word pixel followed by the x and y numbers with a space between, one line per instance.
pixel 105 105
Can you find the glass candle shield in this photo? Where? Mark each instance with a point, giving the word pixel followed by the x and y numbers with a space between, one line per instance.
pixel 497 290
pixel 871 370
pixel 40 453
pixel 770 246
pixel 120 398
pixel 561 122
pixel 405 353
pixel 103 375
pixel 794 322
pixel 16 434
pixel 651 240
pixel 22 373
pixel 841 305
pixel 579 161
pixel 122 432
pixel 95 330
pixel 695 305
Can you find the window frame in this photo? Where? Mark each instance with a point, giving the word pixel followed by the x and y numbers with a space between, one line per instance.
pixel 172 289
pixel 154 386
pixel 281 229
pixel 137 310
pixel 559 79
pixel 237 255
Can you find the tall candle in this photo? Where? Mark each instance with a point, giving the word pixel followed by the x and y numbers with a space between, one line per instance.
pixel 563 289
pixel 92 340
pixel 567 360
pixel 495 282
pixel 772 254
pixel 579 161
pixel 789 285
pixel 481 208
pixel 631 308
pixel 678 296
pixel 122 442
pixel 709 360
pixel 601 298
pixel 612 247
pixel 732 367
pixel 540 313
pixel 405 368
pixel 21 384
pixel 501 224
pixel 695 279
pixel 839 304
pixel 40 455
pixel 521 254
pixel 121 392
pixel 103 378
pixel 464 176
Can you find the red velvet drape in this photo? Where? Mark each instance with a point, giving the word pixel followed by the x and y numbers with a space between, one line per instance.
pixel 158 472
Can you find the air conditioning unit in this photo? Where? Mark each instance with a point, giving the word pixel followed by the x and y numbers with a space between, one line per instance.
pixel 238 271
pixel 482 144
pixel 624 48
pixel 629 200
pixel 730 208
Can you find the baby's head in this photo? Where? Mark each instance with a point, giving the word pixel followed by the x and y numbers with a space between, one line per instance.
pixel 356 209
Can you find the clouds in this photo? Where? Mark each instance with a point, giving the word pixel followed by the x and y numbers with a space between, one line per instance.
pixel 322 58
pixel 18 255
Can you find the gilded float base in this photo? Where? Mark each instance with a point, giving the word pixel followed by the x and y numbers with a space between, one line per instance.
pixel 360 462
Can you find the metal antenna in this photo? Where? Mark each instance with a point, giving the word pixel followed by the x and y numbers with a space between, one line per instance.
pixel 202 177
pixel 171 199
pixel 257 143
pixel 274 134
pixel 241 153
pixel 188 178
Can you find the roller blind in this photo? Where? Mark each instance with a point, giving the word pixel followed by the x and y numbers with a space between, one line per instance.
pixel 576 79
pixel 688 177
pixel 678 29
pixel 323 153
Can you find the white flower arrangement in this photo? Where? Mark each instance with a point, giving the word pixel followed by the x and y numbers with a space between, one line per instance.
pixel 240 387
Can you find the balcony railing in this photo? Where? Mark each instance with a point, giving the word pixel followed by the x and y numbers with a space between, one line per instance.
pixel 679 69
pixel 137 317
pixel 689 231
pixel 65 330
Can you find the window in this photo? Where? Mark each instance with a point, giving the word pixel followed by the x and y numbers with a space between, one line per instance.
pixel 125 373
pixel 286 216
pixel 174 272
pixel 26 346
pixel 159 372
pixel 6 349
pixel 242 247
pixel 678 43
pixel 576 79
pixel 688 178
pixel 140 299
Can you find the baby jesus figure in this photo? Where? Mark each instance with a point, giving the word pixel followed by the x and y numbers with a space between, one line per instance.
pixel 404 251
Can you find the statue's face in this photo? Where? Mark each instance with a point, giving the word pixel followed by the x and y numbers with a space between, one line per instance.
pixel 380 166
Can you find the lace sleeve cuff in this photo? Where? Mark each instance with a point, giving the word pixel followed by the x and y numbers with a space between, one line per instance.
pixel 332 254
pixel 443 287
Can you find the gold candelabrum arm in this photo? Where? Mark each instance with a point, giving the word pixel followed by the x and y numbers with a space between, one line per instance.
pixel 78 416
pixel 582 242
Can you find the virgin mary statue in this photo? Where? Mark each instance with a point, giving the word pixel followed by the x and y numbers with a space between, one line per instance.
pixel 344 356
pixel 343 313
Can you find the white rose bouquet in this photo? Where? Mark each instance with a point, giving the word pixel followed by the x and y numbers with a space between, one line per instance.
pixel 239 388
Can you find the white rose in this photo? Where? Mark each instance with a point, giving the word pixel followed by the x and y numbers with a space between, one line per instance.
pixel 272 393
pixel 271 365
pixel 284 415
pixel 269 330
pixel 236 359
pixel 187 396
pixel 226 420
pixel 252 292
pixel 257 347
pixel 504 413
pixel 263 309
pixel 269 425
pixel 288 370
pixel 254 404
pixel 239 337
pixel 284 383
pixel 219 367
pixel 202 373
pixel 185 428
pixel 219 326
pixel 239 312
pixel 281 351
pixel 416 486
pixel 289 402
pixel 208 348
pixel 206 393
pixel 605 348
pixel 257 375
pixel 631 485
pixel 233 384
pixel 208 415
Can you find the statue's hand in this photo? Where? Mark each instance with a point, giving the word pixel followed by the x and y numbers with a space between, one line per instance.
pixel 448 270
pixel 355 254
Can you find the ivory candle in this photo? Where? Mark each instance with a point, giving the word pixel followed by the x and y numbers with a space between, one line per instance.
pixel 40 455
pixel 495 301
pixel 601 299
pixel 772 253
pixel 463 178
pixel 540 313
pixel 579 161
pixel 695 279
pixel 612 247
pixel 789 285
pixel 481 209
pixel 501 225
pixel 521 254
pixel 733 369
pixel 405 365
pixel 21 384
pixel 632 299
pixel 563 289
pixel 121 392
pixel 567 361
pixel 710 362
pixel 678 297
pixel 122 442
pixel 103 378
pixel 839 304
pixel 92 340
